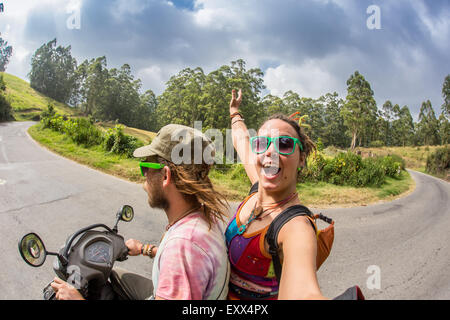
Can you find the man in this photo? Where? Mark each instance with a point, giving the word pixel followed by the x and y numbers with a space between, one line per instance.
pixel 191 261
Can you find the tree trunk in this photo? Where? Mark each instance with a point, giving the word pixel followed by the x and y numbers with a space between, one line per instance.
pixel 352 146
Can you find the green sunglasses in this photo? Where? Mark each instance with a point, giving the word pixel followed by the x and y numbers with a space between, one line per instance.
pixel 146 165
pixel 284 145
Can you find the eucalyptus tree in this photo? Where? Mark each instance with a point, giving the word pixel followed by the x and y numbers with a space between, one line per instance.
pixel 360 109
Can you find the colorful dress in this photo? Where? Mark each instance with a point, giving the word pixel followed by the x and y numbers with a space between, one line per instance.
pixel 252 274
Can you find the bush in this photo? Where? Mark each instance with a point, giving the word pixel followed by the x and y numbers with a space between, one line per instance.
pixel 49 115
pixel 5 106
pixel 389 165
pixel 80 130
pixel 372 174
pixel 238 172
pixel 57 123
pixel 350 169
pixel 314 170
pixel 5 109
pixel 83 132
pixel 345 167
pixel 400 160
pixel 438 162
pixel 50 112
pixel 376 144
pixel 118 142
pixel 320 145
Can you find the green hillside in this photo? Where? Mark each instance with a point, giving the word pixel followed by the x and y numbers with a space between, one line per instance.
pixel 26 102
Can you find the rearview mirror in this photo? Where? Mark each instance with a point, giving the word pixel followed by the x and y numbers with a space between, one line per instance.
pixel 32 250
pixel 127 213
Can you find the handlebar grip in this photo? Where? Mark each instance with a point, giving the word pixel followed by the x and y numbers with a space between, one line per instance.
pixel 49 293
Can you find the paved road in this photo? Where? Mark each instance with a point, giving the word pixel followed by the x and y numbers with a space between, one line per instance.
pixel 397 250
pixel 408 240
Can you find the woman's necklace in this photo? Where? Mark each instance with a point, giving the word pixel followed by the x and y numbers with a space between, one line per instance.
pixel 181 217
pixel 258 211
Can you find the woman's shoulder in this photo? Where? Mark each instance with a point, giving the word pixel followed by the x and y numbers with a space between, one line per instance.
pixel 297 229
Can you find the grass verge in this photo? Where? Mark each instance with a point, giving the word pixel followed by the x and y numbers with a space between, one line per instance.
pixel 326 195
pixel 94 157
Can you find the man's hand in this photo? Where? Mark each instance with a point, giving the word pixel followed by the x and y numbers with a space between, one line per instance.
pixel 235 103
pixel 65 291
pixel 134 247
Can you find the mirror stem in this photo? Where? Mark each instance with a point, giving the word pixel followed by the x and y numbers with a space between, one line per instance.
pixel 115 229
pixel 61 259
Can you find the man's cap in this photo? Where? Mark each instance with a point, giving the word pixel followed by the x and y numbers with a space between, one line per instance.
pixel 179 144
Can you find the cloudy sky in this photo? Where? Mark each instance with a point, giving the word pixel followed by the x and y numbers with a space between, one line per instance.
pixel 308 46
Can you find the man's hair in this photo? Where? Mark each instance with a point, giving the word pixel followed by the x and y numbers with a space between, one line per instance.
pixel 192 181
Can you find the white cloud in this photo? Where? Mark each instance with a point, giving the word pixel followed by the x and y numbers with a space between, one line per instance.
pixel 307 79
pixel 122 9
pixel 155 76
pixel 220 15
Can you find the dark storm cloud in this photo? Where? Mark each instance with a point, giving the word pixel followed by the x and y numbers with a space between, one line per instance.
pixel 40 26
pixel 296 30
pixel 406 61
pixel 142 33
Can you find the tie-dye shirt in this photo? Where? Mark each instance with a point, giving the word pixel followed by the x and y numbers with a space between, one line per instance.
pixel 191 262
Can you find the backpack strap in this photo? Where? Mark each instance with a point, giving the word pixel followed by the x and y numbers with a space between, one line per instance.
pixel 254 188
pixel 275 227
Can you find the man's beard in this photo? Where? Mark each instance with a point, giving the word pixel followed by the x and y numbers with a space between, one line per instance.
pixel 157 198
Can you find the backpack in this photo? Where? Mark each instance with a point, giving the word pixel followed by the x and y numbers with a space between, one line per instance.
pixel 325 240
pixel 325 237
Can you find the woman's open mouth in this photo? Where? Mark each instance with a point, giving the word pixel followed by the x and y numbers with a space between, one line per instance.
pixel 270 171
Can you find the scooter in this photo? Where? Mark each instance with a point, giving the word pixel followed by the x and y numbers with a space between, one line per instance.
pixel 86 259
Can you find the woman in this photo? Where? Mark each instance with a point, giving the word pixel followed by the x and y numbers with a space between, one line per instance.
pixel 277 154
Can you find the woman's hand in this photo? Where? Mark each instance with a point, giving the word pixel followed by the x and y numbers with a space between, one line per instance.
pixel 134 247
pixel 65 291
pixel 235 103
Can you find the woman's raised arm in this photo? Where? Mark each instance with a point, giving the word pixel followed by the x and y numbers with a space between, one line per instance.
pixel 241 137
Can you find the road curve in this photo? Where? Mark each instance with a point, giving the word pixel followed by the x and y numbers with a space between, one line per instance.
pixel 45 193
pixel 396 250
pixel 407 240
